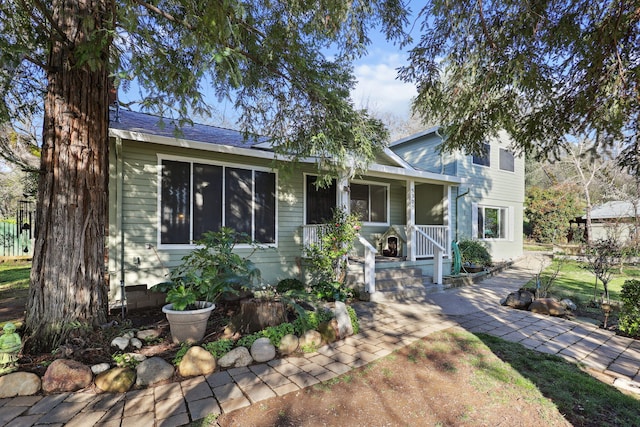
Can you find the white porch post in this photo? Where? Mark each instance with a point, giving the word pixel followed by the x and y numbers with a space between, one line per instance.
pixel 411 219
pixel 343 193
pixel 437 267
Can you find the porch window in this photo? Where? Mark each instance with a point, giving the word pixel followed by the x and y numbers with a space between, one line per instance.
pixel 492 222
pixel 484 159
pixel 369 202
pixel 196 197
pixel 321 201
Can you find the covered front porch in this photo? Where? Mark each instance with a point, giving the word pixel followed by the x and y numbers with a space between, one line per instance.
pixel 409 227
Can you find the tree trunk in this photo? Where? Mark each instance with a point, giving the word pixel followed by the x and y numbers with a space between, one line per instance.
pixel 68 286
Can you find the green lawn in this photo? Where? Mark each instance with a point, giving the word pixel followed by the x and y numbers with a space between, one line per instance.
pixel 582 399
pixel 576 282
pixel 14 289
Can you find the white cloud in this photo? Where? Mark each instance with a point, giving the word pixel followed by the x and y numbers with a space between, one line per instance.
pixel 379 90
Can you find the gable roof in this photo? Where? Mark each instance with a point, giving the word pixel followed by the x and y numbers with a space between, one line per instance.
pixel 132 121
pixel 143 127
pixel 415 136
pixel 614 209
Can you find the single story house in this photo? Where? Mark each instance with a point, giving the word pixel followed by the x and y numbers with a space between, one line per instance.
pixel 167 188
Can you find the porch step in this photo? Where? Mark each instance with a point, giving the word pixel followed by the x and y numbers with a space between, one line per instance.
pixel 398 278
pixel 407 293
pixel 398 284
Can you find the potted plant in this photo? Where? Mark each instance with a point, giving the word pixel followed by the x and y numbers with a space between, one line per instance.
pixel 204 275
pixel 475 256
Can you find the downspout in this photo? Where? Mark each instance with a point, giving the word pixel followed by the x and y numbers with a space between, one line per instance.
pixel 458 209
pixel 119 186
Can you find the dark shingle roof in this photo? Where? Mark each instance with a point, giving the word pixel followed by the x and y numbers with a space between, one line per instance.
pixel 146 123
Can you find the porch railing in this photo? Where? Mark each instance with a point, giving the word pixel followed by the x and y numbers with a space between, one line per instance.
pixel 438 253
pixel 429 237
pixel 312 235
pixel 425 241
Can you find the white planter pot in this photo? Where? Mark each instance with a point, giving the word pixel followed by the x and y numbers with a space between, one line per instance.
pixel 188 326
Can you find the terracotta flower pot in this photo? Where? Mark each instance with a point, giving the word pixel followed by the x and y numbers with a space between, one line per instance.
pixel 188 326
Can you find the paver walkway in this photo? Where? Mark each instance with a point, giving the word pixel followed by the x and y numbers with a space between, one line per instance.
pixel 385 327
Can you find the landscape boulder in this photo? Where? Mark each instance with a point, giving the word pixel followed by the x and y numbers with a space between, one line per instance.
pixel 547 306
pixel 329 331
pixel 520 299
pixel 569 304
pixel 19 384
pixel 116 380
pixel 345 328
pixel 197 361
pixel 262 350
pixel 288 344
pixel 121 342
pixel 310 339
pixel 236 358
pixel 66 375
pixel 148 334
pixel 153 370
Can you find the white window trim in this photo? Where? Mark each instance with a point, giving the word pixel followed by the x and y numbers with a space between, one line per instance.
pixel 191 161
pixel 380 184
pixel 510 222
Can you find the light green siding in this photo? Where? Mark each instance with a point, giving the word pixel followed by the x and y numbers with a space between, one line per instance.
pixel 145 263
pixel 423 153
pixel 485 186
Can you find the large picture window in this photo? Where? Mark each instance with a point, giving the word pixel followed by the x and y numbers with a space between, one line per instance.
pixel 196 198
pixel 369 202
pixel 492 222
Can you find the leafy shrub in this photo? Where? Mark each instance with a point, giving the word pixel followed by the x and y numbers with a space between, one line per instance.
pixel 331 291
pixel 276 333
pixel 288 285
pixel 355 323
pixel 210 270
pixel 328 260
pixel 219 348
pixel 629 319
pixel 310 320
pixel 125 360
pixel 184 347
pixel 474 252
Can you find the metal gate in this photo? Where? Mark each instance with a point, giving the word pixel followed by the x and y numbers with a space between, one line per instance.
pixel 16 238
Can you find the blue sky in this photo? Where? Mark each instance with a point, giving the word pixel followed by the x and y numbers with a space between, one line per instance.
pixel 377 87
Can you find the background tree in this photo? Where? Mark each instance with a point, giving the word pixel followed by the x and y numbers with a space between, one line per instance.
pixel 18 168
pixel 265 56
pixel 539 70
pixel 549 210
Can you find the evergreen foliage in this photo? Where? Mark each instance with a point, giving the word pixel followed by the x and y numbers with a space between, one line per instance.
pixel 539 70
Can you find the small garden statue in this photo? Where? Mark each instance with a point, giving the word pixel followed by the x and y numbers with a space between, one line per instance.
pixel 10 344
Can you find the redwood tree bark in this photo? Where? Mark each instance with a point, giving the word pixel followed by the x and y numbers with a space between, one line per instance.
pixel 68 286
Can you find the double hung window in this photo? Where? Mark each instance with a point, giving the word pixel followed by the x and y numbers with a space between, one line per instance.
pixel 492 222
